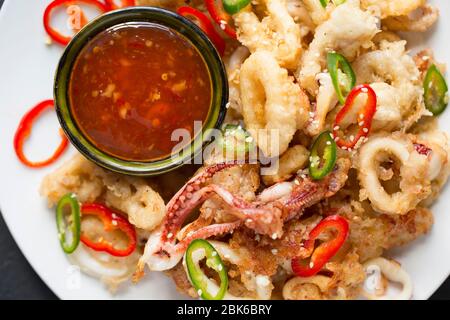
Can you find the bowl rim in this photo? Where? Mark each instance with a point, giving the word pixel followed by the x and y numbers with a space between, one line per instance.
pixel 186 28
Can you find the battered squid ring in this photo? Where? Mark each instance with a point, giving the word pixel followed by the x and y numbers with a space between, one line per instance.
pixel 389 8
pixel 277 33
pixel 291 287
pixel 394 272
pixel 271 103
pixel 428 17
pixel 392 65
pixel 414 184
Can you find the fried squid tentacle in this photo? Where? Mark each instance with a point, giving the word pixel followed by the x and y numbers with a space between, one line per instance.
pixel 266 215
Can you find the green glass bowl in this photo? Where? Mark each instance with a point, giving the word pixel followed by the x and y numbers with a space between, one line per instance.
pixel 166 18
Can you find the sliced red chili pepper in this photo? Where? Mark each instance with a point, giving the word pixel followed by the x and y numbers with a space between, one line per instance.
pixel 326 250
pixel 111 221
pixel 111 4
pixel 201 20
pixel 23 132
pixel 221 17
pixel 364 117
pixel 53 33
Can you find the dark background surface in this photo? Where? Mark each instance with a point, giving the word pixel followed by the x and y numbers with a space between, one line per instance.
pixel 19 281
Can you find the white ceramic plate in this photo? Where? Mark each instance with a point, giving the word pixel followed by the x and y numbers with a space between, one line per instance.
pixel 27 67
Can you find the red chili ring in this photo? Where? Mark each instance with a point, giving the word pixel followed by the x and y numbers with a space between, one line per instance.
pixel 24 130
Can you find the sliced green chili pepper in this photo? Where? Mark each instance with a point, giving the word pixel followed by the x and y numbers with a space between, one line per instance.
pixel 324 3
pixel 341 73
pixel 435 91
pixel 234 6
pixel 71 201
pixel 323 156
pixel 235 140
pixel 206 288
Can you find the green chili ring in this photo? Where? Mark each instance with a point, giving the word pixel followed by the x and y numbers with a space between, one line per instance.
pixel 236 139
pixel 75 225
pixel 435 91
pixel 321 165
pixel 197 250
pixel 345 78
pixel 234 6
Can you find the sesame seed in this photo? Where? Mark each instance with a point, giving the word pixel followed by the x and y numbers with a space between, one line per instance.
pixel 328 143
pixel 114 222
pixel 220 267
pixel 170 235
pixel 361 116
pixel 365 90
pixel 214 253
pixel 344 148
pixel 311 264
pixel 199 292
pixel 365 130
pixel 274 236
pixel 361 123
pixel 274 251
pixel 336 128
pixel 352 138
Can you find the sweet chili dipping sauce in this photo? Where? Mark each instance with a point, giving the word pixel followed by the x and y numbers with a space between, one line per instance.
pixel 133 85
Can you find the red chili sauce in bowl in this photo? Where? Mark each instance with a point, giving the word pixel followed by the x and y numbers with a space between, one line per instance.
pixel 133 85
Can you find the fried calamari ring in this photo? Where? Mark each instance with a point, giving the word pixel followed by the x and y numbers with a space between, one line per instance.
pixel 277 33
pixel 428 16
pixel 392 271
pixel 438 153
pixel 414 185
pixel 390 8
pixel 312 288
pixel 347 31
pixel 270 103
pixel 392 65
